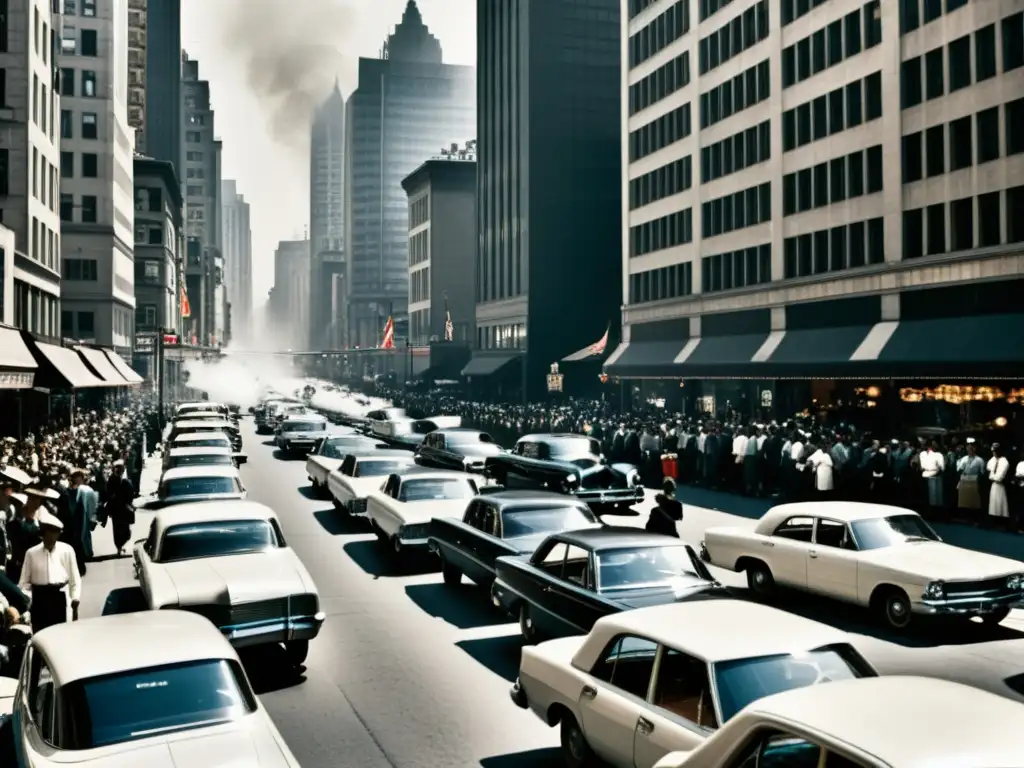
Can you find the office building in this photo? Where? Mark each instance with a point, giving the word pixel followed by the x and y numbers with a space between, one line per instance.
pixel 327 221
pixel 7 247
pixel 289 299
pixel 159 246
pixel 237 237
pixel 821 191
pixel 137 33
pixel 29 163
pixel 163 123
pixel 408 106
pixel 548 185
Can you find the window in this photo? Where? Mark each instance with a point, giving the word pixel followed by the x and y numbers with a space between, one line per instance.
pixel 796 528
pixel 65 124
pixel 736 153
pixel 910 82
pixel 741 92
pixel 1015 224
pixel 935 150
pixel 1013 41
pixel 90 45
pixel 875 169
pixel 79 269
pixel 873 96
pixel 89 125
pixel 961 146
pixel 913 233
pixel 193 137
pixel 67 165
pixel 730 40
pixel 645 140
pixel 667 232
pixel 665 283
pixel 984 54
pixel 910 15
pixel 90 165
pixel 987 135
pixel 990 219
pixel 660 33
pixel 959 64
pixel 876 240
pixel 156 236
pixel 684 689
pixel 88 7
pixel 67 207
pixel 194 157
pixel 872 24
pixel 745 208
pixel 934 78
pixel 155 199
pixel 854 104
pixel 67 81
pixel 853 42
pixel 738 269
pixel 628 664
pixel 89 209
pixel 655 185
pixel 855 173
pixel 832 533
pixel 936 222
pixel 1015 127
pixel 961 224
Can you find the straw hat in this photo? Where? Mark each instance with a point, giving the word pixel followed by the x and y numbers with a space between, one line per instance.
pixel 43 493
pixel 48 520
pixel 16 475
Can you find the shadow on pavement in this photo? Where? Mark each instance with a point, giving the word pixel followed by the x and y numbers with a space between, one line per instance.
pixel 268 669
pixel 271 441
pixel 464 606
pixel 124 600
pixel 535 758
pixel 338 524
pixel 285 456
pixel 499 654
pixel 378 560
pixel 111 556
pixel 307 491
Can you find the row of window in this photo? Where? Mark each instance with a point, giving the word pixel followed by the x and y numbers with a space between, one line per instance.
pixel 1012 29
pixel 912 15
pixel 88 209
pixel 968 223
pixel 847 107
pixel 709 8
pixel 743 32
pixel 660 132
pixel 744 90
pixel 88 8
pixel 419 211
pixel 666 232
pixel 85 327
pixel 671 282
pixel 660 33
pixel 791 10
pixel 736 153
pixel 636 7
pixel 847 246
pixel 88 82
pixel 746 208
pixel 827 47
pixel 45 244
pixel 833 181
pixel 923 78
pixel 737 269
pixel 661 83
pixel 44 178
pixel 88 169
pixel 79 269
pixel 668 180
pixel 88 129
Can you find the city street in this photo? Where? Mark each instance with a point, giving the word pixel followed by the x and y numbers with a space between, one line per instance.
pixel 407 674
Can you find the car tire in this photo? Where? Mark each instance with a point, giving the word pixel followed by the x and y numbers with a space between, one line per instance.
pixel 526 626
pixel 575 750
pixel 760 580
pixel 995 618
pixel 452 575
pixel 297 651
pixel 895 609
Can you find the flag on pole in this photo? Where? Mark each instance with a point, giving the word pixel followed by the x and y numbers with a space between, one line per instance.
pixel 186 308
pixel 449 329
pixel 389 335
pixel 598 347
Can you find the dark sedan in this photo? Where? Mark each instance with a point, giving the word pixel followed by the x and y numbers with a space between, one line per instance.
pixel 459 449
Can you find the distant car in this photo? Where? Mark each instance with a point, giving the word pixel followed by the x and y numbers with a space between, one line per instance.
pixel 499 524
pixel 284 411
pixel 215 439
pixel 202 456
pixel 570 464
pixel 885 558
pixel 393 423
pixel 459 449
pixel 157 688
pixel 202 483
pixel 655 680
pixel 330 453
pixel 400 512
pixel 229 562
pixel 301 433
pixel 224 426
pixel 201 406
pixel 575 578
pixel 358 475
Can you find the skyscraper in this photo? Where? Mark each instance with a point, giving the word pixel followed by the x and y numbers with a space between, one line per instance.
pixel 407 107
pixel 163 123
pixel 289 300
pixel 326 218
pixel 237 259
pixel 137 71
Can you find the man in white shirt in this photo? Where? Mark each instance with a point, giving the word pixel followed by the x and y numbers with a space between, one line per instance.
pixel 933 465
pixel 50 576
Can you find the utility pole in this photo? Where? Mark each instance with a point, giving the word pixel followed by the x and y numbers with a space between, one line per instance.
pixel 160 374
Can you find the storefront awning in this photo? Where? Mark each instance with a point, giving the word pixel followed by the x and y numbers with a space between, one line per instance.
pixel 813 353
pixel 101 366
pixel 486 365
pixel 726 356
pixel 17 365
pixel 122 367
pixel 70 368
pixel 646 359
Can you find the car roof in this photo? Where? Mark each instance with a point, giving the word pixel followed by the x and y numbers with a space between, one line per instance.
pixel 201 404
pixel 193 436
pixel 212 511
pixel 312 417
pixel 382 453
pixel 524 498
pixel 127 642
pixel 458 430
pixel 425 473
pixel 616 537
pixel 543 437
pixel 200 450
pixel 219 423
pixel 206 470
pixel 843 511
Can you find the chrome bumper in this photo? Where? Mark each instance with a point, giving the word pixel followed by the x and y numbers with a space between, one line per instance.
pixel 413 543
pixel 968 606
pixel 274 630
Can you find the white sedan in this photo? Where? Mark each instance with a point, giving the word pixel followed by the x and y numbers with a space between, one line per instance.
pixel 401 511
pixel 229 562
pixel 359 474
pixel 331 453
pixel 652 681
pixel 199 483
pixel 157 689
pixel 884 558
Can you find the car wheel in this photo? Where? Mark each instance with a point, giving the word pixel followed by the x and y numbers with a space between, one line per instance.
pixel 895 607
pixel 575 750
pixel 760 580
pixel 526 626
pixel 995 618
pixel 452 575
pixel 297 651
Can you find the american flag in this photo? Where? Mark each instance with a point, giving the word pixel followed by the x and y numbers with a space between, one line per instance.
pixel 598 347
pixel 449 329
pixel 389 335
pixel 186 308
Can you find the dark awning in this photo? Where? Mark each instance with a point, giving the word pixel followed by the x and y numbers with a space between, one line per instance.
pixel 101 366
pixel 726 356
pixel 485 365
pixel 70 368
pixel 126 371
pixel 17 365
pixel 814 353
pixel 646 359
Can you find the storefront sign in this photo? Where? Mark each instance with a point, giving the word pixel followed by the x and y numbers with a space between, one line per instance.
pixel 554 379
pixel 706 404
pixel 17 379
pixel 145 342
pixel 766 398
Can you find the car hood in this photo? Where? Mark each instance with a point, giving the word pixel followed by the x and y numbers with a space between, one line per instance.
pixel 236 748
pixel 938 560
pixel 661 595
pixel 237 578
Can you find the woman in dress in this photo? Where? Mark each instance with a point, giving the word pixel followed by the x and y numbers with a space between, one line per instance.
pixel 998 468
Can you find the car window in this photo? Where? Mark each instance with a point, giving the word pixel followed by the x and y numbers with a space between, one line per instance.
pixel 203 459
pixel 348 466
pixel 150 545
pixel 217 539
pixel 199 486
pixel 684 689
pixel 551 561
pixel 473 517
pixel 434 489
pixel 797 529
pixel 379 468
pixel 41 697
pixel 771 749
pixel 529 449
pixel 880 532
pixel 640 567
pixel 490 523
pixel 832 533
pixel 627 663
pixel 577 567
pixel 530 521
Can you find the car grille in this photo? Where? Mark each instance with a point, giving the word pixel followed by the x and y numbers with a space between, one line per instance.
pixel 988 587
pixel 260 610
pixel 415 531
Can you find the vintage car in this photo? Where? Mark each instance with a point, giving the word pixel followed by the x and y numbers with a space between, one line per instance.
pixel 500 524
pixel 283 411
pixel 401 510
pixel 230 563
pixel 157 688
pixel 460 449
pixel 186 409
pixel 570 464
pixel 881 722
pixel 207 427
pixel 393 423
pixel 885 558
pixel 359 474
pixel 202 456
pixel 202 483
pixel 268 415
pixel 202 440
pixel 330 453
pixel 301 433
pixel 705 669
pixel 576 577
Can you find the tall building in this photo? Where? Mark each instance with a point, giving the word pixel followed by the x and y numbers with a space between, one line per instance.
pixel 159 242
pixel 407 107
pixel 137 41
pixel 289 300
pixel 237 237
pixel 163 122
pixel 327 220
pixel 548 184
pixel 822 194
pixel 29 163
pixel 96 191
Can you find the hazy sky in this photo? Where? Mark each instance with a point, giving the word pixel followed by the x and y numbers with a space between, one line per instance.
pixel 269 62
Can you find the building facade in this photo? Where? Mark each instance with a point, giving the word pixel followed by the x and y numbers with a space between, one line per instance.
pixel 442 248
pixel 407 107
pixel 163 123
pixel 30 162
pixel 137 39
pixel 237 260
pixel 820 193
pixel 159 246
pixel 327 219
pixel 548 184
pixel 289 299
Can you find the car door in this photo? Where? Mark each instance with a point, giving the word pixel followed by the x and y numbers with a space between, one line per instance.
pixel 787 550
pixel 468 550
pixel 614 700
pixel 546 604
pixel 39 707
pixel 571 596
pixel 832 560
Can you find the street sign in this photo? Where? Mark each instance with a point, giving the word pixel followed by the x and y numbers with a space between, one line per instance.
pixel 145 342
pixel 554 379
pixel 17 379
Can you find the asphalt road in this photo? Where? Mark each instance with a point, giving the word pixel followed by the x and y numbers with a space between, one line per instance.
pixel 406 674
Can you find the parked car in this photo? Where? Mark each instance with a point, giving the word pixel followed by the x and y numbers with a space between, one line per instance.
pixel 885 558
pixel 230 563
pixel 655 680
pixel 570 464
pixel 400 512
pixel 392 423
pixel 202 440
pixel 358 475
pixel 201 406
pixel 156 688
pixel 500 524
pixel 329 454
pixel 576 577
pixel 459 449
pixel 202 483
pixel 301 433
pixel 881 722
pixel 207 427
pixel 284 411
pixel 202 456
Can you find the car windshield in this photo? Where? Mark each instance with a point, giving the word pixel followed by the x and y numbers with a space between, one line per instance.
pixel 527 521
pixel 339 447
pixel 199 486
pixel 151 702
pixel 202 459
pixel 572 448
pixel 217 539
pixel 379 468
pixel 206 442
pixel 304 426
pixel 434 489
pixel 882 532
pixel 638 567
pixel 743 681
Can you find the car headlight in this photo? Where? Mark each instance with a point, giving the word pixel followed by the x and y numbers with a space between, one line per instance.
pixel 1016 581
pixel 936 590
pixel 571 479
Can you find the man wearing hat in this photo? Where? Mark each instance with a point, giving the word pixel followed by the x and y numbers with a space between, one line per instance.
pixel 24 528
pixel 49 576
pixel 83 502
pixel 120 495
